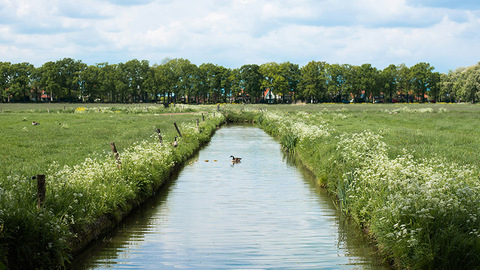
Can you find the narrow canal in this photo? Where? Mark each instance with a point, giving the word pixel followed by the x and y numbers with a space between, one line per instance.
pixel 264 213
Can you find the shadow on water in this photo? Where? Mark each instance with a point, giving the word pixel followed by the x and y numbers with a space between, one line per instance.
pixel 210 215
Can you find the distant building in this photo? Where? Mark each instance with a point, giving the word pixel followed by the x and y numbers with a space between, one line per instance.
pixel 270 97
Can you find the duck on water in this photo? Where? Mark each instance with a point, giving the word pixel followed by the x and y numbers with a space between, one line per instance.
pixel 235 159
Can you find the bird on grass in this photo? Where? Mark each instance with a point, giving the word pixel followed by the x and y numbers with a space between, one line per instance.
pixel 175 143
pixel 235 159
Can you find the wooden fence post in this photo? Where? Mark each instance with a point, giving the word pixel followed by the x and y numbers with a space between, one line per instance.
pixel 41 190
pixel 116 154
pixel 198 128
pixel 203 118
pixel 178 130
pixel 159 135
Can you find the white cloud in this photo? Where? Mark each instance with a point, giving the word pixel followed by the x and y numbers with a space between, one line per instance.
pixel 237 32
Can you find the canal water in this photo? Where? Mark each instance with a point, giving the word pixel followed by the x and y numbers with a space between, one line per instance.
pixel 263 213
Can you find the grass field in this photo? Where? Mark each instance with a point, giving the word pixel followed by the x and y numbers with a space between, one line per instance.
pixel 426 130
pixel 70 107
pixel 68 137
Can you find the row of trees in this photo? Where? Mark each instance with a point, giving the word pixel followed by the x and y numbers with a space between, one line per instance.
pixel 178 80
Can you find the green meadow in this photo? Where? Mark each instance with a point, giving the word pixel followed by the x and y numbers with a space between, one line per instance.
pixel 426 130
pixel 67 137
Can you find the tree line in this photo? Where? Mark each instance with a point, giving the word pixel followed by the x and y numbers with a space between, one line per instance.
pixel 179 80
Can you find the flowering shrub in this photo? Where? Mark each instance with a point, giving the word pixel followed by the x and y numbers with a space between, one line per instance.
pixel 45 232
pixel 413 207
pixel 292 129
pixel 137 109
pixel 80 110
pixel 419 110
pixel 293 124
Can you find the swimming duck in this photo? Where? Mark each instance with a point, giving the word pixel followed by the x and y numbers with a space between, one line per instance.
pixel 235 159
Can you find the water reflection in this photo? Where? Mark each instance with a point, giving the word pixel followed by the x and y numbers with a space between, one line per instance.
pixel 350 237
pixel 265 212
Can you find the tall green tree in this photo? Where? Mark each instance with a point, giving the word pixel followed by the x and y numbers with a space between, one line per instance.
pixel 136 75
pixel 268 72
pixel 236 83
pixel 335 82
pixel 369 81
pixel 458 79
pixel 49 80
pixel 107 88
pixel 165 79
pixel 355 83
pixel 446 87
pixel 421 76
pixel 18 81
pixel 90 83
pixel 404 82
pixel 434 86
pixel 149 85
pixel 251 81
pixel 279 78
pixel 291 73
pixel 389 77
pixel 225 82
pixel 312 85
pixel 122 83
pixel 68 76
pixel 180 77
pixel 5 68
pixel 472 83
pixel 211 82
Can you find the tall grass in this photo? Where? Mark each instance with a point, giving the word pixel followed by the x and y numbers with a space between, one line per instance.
pixel 84 186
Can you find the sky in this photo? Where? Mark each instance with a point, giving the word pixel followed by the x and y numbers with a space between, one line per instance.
pixel 232 33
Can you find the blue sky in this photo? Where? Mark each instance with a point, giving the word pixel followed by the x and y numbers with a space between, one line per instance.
pixel 444 33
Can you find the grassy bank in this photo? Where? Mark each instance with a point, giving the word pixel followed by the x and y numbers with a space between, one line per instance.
pixel 85 188
pixel 408 175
